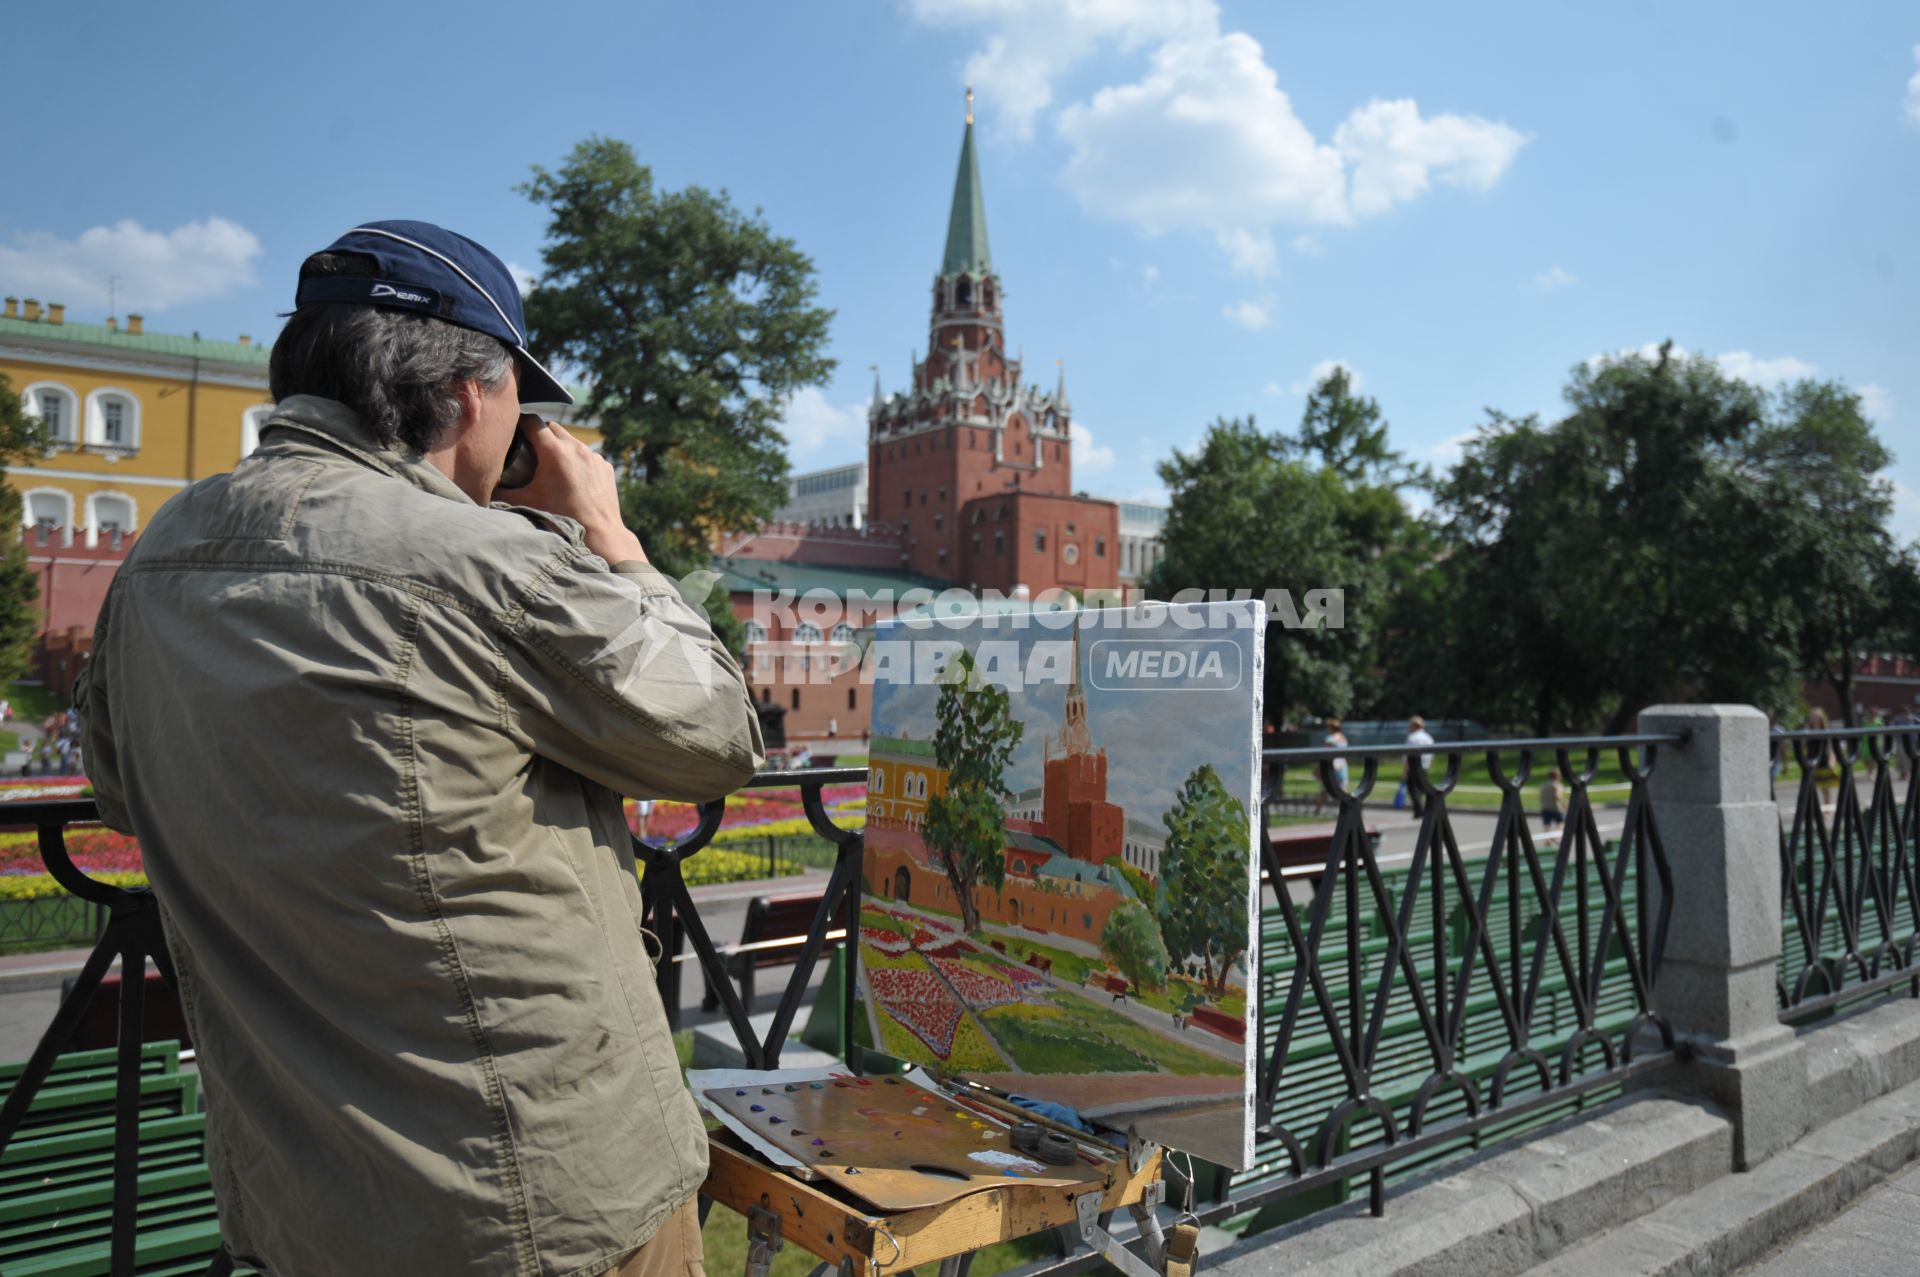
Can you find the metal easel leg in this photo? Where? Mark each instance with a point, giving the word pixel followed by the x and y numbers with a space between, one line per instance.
pixel 763 1240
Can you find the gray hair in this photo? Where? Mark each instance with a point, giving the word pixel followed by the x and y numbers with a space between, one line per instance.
pixel 397 369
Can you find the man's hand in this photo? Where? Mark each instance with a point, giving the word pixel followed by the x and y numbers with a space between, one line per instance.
pixel 576 481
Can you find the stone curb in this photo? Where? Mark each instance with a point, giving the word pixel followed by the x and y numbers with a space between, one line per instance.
pixel 1505 1211
pixel 1741 1218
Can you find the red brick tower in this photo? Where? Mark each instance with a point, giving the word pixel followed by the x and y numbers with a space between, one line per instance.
pixel 1074 799
pixel 971 465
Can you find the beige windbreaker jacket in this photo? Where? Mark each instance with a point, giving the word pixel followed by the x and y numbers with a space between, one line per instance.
pixel 371 737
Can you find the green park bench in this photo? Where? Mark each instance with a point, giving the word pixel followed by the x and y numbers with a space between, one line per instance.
pixel 1312 1082
pixel 56 1177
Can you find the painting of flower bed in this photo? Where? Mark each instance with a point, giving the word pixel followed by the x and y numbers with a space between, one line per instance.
pixel 1059 888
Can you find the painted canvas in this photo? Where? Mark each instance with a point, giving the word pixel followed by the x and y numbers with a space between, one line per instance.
pixel 1060 888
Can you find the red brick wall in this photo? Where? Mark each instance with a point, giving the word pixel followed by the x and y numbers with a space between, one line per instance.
pixel 803 543
pixel 1095 540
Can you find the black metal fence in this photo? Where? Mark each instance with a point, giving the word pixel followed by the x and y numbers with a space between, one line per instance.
pixel 49 922
pixel 1410 1003
pixel 1849 867
pixel 1418 1002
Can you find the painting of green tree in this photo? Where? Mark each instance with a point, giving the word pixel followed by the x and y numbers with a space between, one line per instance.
pixel 966 825
pixel 1203 872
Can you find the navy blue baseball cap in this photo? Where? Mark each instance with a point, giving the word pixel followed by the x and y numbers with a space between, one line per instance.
pixel 427 268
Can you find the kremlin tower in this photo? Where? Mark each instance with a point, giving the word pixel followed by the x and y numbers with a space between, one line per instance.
pixel 972 465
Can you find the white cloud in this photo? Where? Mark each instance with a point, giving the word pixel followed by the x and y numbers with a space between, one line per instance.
pixel 1745 366
pixel 812 424
pixel 522 277
pixel 156 269
pixel 1149 275
pixel 1913 90
pixel 1088 456
pixel 1741 365
pixel 1250 314
pixel 1250 252
pixel 1205 139
pixel 1877 402
pixel 1551 278
pixel 1275 389
pixel 1396 155
pixel 1034 42
pixel 1307 246
pixel 1319 372
pixel 1448 451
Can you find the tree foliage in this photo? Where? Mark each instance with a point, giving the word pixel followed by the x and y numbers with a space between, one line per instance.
pixel 22 436
pixel 1319 509
pixel 1131 941
pixel 1203 877
pixel 693 325
pixel 966 824
pixel 1678 535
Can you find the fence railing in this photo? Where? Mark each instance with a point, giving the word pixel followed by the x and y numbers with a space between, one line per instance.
pixel 1429 995
pixel 672 916
pixel 1849 867
pixel 1415 1000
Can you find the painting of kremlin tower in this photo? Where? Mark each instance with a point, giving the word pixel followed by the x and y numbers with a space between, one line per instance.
pixel 1060 892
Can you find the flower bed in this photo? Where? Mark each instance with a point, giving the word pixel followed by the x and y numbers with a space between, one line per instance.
pixel 921 1003
pixel 31 886
pixel 888 942
pixel 976 988
pixel 756 812
pixel 95 850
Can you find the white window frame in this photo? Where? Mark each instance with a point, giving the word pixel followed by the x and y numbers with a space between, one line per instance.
pixel 92 510
pixel 756 633
pixel 841 633
pixel 64 526
pixel 807 632
pixel 250 422
pixel 96 435
pixel 30 400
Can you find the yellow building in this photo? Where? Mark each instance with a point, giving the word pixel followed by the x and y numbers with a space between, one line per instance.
pixel 135 417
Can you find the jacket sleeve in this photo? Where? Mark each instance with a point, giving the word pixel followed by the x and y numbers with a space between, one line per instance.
pixel 612 675
pixel 99 752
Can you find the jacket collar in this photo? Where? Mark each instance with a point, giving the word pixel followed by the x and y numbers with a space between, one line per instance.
pixel 300 423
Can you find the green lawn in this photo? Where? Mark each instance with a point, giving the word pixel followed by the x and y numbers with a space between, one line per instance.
pixel 34 702
pixel 52 922
pixel 1076 1035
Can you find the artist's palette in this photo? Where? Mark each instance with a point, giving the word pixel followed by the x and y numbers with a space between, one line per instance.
pixel 895 1144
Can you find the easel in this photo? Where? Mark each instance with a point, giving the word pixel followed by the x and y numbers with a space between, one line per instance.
pixel 853 1240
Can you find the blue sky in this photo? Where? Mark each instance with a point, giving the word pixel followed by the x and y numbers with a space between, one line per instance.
pixel 1192 204
pixel 1155 734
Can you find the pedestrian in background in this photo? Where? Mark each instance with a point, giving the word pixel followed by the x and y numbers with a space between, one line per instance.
pixel 1335 738
pixel 1553 800
pixel 1417 734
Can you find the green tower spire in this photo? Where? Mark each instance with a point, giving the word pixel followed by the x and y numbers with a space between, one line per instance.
pixel 967 225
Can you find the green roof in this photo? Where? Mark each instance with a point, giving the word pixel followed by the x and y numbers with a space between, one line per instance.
pixel 899 746
pixel 98 335
pixel 779 574
pixel 967 225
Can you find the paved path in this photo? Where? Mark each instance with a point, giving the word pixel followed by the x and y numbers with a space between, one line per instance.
pixel 1879 1236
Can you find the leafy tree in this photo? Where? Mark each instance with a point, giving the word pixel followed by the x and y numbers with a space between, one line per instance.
pixel 1345 431
pixel 1319 509
pixel 1678 535
pixel 966 824
pixel 1835 560
pixel 21 436
pixel 693 325
pixel 1204 876
pixel 1131 941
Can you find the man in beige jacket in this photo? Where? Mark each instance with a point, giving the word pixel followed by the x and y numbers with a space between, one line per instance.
pixel 371 719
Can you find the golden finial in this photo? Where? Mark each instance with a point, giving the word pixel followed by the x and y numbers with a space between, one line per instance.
pixel 969 104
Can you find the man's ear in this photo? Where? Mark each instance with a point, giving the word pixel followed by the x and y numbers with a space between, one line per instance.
pixel 471 397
